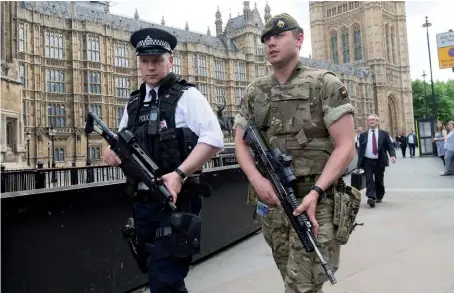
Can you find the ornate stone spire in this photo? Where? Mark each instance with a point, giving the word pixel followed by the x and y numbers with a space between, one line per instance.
pixel 163 22
pixel 136 15
pixel 247 13
pixel 187 26
pixel 208 32
pixel 267 12
pixel 218 22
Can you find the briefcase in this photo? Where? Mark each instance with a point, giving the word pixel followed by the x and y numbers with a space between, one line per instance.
pixel 358 179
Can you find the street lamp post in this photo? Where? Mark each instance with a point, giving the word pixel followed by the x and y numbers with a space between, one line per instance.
pixel 52 133
pixel 48 154
pixel 88 162
pixel 427 24
pixel 425 92
pixel 28 148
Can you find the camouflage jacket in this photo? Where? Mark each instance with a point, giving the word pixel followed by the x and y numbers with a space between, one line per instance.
pixel 298 114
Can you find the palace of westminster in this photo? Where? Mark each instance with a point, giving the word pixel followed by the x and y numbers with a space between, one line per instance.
pixel 62 58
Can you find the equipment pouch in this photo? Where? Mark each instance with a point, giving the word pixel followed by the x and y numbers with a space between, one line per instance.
pixel 346 207
pixel 196 187
pixel 203 189
pixel 168 149
pixel 137 247
pixel 185 238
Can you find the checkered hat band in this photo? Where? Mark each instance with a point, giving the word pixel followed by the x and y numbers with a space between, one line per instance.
pixel 149 42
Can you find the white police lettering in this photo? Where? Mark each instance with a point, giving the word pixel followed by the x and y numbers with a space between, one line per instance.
pixel 144 118
pixel 148 42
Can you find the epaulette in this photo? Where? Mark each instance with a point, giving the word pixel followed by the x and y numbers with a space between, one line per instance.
pixel 134 96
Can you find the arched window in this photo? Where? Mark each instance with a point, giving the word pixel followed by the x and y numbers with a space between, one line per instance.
pixel 357 42
pixel 345 46
pixel 56 154
pixel 61 155
pixel 334 51
pixel 9 134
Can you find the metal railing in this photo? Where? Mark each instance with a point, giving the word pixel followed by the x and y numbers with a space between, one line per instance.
pixel 29 179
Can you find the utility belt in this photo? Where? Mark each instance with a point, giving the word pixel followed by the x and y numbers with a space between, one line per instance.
pixel 303 184
pixel 182 227
pixel 194 185
pixel 184 233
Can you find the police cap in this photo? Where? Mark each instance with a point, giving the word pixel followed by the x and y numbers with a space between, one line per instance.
pixel 278 24
pixel 153 41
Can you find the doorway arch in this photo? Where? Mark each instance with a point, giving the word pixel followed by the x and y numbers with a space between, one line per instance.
pixel 392 116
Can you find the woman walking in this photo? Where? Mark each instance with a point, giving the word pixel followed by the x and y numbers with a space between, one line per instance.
pixel 439 140
pixel 449 146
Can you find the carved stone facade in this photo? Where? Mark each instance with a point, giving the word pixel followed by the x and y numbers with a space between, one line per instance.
pixel 12 139
pixel 73 56
pixel 372 36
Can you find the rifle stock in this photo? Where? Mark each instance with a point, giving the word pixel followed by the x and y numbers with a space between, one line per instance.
pixel 135 163
pixel 278 169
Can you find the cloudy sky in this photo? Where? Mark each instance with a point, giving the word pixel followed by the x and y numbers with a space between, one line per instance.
pixel 200 15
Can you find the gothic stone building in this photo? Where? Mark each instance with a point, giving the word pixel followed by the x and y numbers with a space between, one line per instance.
pixel 75 56
pixel 371 36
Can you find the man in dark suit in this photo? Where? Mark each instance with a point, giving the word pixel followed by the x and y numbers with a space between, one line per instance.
pixel 373 158
pixel 412 143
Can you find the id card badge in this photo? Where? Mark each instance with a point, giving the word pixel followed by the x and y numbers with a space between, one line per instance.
pixel 262 209
pixel 162 125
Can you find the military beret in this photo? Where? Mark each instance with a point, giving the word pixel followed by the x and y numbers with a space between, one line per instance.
pixel 153 41
pixel 278 24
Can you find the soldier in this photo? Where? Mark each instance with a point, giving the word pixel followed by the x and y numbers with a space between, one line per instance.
pixel 176 126
pixel 307 113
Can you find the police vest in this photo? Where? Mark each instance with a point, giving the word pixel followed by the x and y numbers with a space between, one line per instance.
pixel 169 146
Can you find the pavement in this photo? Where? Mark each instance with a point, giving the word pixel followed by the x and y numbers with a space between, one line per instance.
pixel 405 245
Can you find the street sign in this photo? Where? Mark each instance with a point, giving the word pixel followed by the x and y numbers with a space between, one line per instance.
pixel 445 46
pixel 445 39
pixel 446 57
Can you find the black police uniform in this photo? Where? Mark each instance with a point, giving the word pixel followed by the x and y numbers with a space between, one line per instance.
pixel 166 240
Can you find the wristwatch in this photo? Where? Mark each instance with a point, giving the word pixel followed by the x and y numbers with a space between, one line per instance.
pixel 182 175
pixel 321 194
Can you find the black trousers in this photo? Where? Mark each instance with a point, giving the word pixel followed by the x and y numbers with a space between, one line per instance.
pixel 166 273
pixel 403 148
pixel 412 146
pixel 375 186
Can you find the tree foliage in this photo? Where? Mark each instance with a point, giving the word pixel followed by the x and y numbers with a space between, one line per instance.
pixel 444 97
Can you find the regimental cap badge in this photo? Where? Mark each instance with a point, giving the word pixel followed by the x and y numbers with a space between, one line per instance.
pixel 280 23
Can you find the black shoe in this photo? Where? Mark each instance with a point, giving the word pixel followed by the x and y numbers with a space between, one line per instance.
pixel 378 200
pixel 371 202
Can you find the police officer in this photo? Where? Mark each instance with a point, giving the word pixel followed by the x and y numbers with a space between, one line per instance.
pixel 176 126
pixel 308 114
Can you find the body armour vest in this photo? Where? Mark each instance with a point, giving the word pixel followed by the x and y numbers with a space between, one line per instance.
pixel 153 124
pixel 292 116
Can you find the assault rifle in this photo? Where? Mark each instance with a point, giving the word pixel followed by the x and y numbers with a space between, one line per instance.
pixel 135 163
pixel 280 172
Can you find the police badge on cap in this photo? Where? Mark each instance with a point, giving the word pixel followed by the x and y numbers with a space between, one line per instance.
pixel 153 41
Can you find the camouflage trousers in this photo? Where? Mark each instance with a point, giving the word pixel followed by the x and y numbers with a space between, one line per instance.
pixel 301 271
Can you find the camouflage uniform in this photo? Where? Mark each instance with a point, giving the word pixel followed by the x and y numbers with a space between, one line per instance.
pixel 298 113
